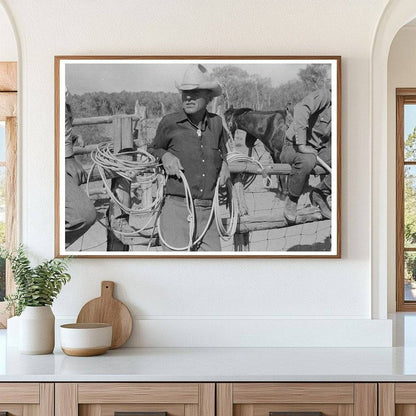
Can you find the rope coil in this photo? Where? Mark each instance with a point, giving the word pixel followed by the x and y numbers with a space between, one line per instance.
pixel 146 171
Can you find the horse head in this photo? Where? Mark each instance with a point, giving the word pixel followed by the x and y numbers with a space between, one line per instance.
pixel 230 120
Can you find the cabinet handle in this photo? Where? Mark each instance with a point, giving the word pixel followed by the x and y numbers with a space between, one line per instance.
pixel 296 414
pixel 138 414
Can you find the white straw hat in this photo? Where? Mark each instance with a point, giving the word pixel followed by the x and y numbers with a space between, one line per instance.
pixel 196 77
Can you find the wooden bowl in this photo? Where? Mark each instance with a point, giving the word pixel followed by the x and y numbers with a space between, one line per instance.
pixel 84 340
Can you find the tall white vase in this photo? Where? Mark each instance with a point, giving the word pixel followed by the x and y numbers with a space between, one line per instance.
pixel 37 330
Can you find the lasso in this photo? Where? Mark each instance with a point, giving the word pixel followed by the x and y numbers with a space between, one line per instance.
pixel 225 233
pixel 239 157
pixel 145 170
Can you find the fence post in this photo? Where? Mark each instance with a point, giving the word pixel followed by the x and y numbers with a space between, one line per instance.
pixel 122 141
pixel 141 111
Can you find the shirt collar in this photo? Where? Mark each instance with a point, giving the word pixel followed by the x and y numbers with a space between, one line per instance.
pixel 182 117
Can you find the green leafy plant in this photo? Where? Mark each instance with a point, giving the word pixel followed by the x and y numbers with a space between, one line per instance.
pixel 35 286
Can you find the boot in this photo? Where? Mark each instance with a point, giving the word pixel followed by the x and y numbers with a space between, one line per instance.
pixel 323 200
pixel 290 209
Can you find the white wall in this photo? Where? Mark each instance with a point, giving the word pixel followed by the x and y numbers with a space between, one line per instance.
pixel 401 74
pixel 8 47
pixel 179 302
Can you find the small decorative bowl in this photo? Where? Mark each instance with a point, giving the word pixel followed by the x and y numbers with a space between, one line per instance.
pixel 84 340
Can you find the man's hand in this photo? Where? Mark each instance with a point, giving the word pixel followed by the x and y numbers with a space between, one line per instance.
pixel 172 164
pixel 75 170
pixel 79 140
pixel 224 173
pixel 304 148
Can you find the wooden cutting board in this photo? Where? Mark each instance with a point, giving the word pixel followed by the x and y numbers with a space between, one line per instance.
pixel 107 309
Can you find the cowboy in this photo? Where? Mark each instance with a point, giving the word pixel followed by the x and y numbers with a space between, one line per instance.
pixel 191 142
pixel 80 213
pixel 307 138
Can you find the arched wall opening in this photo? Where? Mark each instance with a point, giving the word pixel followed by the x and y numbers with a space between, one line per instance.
pixel 401 73
pixel 396 15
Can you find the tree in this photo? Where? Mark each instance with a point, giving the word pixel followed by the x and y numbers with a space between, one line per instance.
pixel 410 146
pixel 313 75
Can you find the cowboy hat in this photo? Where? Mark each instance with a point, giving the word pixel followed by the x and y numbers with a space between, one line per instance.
pixel 197 77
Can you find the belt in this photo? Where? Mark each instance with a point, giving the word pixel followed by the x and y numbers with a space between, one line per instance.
pixel 197 202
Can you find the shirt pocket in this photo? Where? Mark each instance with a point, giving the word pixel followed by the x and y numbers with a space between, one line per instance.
pixel 215 156
pixel 323 124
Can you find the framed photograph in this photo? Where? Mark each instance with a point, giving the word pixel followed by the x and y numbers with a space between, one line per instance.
pixel 191 156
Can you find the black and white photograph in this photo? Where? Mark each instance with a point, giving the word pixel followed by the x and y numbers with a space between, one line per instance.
pixel 198 157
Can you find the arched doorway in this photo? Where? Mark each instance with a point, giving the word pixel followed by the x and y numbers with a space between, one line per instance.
pixel 396 14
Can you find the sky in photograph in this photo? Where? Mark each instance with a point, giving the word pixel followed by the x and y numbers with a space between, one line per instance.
pixel 116 77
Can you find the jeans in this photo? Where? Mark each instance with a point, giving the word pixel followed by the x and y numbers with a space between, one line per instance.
pixel 80 213
pixel 302 165
pixel 174 224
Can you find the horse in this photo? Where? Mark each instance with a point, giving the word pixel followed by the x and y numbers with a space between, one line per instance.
pixel 267 126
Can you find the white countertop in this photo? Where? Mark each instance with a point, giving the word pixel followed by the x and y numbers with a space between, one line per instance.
pixel 213 364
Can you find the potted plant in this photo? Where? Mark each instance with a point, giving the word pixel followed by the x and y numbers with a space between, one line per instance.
pixel 36 289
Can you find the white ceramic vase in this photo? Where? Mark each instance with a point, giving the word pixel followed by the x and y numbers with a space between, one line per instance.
pixel 13 331
pixel 37 330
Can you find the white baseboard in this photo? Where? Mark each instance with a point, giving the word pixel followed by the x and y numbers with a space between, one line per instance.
pixel 258 332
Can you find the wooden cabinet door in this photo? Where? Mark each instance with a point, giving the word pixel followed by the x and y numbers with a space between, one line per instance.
pixel 153 399
pixel 27 399
pixel 397 399
pixel 297 399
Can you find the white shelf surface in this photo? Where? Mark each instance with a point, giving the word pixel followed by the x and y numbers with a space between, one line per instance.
pixel 212 365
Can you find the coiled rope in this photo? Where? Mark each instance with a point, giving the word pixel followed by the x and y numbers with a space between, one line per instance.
pixel 225 233
pixel 249 178
pixel 145 170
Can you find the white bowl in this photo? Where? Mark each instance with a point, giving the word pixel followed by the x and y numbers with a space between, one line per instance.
pixel 83 340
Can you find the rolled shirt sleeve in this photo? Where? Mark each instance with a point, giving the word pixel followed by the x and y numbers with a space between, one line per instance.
pixel 304 111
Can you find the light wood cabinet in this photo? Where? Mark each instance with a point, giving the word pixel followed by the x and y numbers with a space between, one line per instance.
pixel 397 399
pixel 27 399
pixel 263 399
pixel 106 399
pixel 208 399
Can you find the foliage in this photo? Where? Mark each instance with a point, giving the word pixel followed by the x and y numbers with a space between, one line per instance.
pixel 93 104
pixel 410 266
pixel 410 146
pixel 241 89
pixel 410 205
pixel 313 76
pixel 35 286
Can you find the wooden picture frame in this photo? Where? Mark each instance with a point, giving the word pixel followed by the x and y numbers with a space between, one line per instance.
pixel 117 102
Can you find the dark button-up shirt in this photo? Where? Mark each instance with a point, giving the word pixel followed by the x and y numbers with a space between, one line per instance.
pixel 312 120
pixel 201 156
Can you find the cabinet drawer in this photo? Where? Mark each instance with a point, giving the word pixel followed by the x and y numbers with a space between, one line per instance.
pixel 21 399
pixel 296 399
pixel 397 399
pixel 107 399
